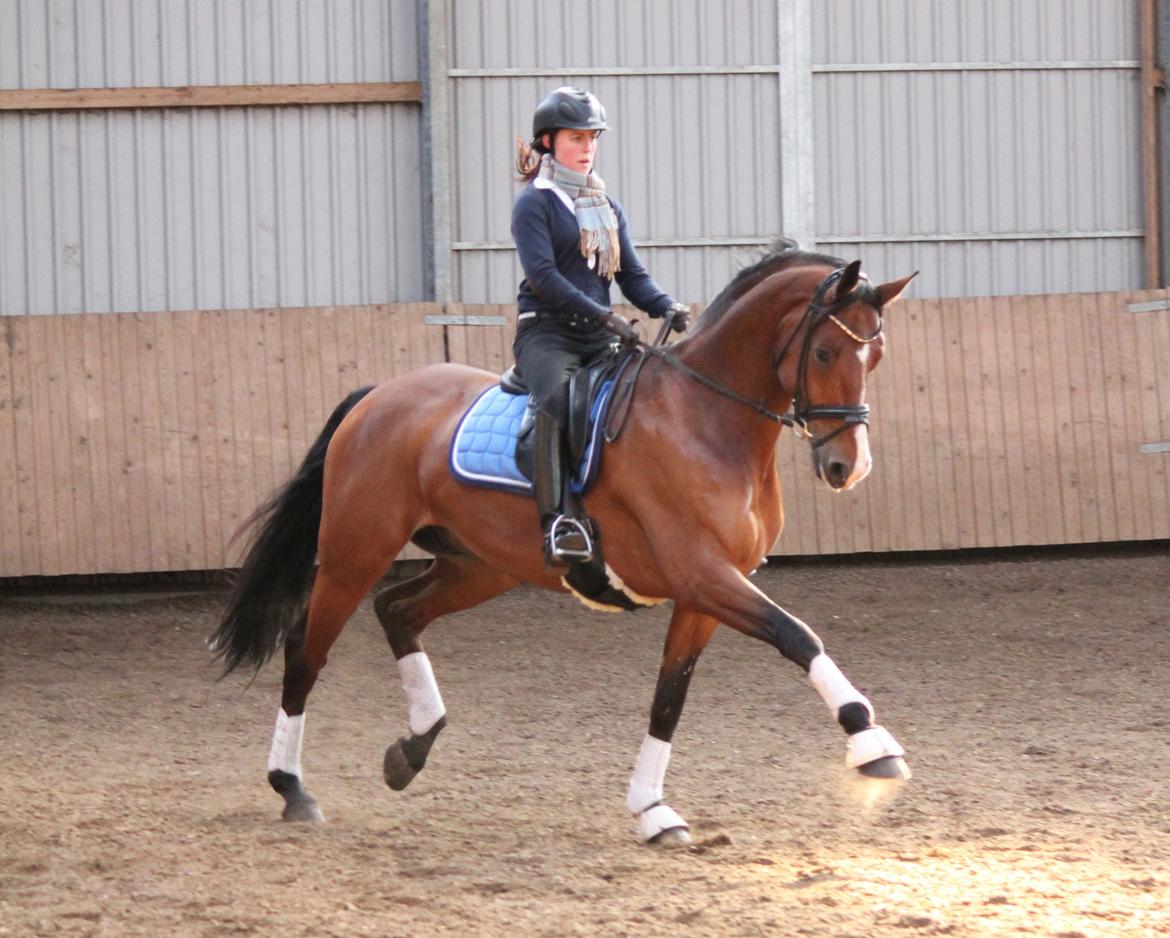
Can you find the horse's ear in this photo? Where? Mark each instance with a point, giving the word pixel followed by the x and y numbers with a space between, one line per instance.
pixel 888 292
pixel 848 280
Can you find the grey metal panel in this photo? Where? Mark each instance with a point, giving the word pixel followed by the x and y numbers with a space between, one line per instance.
pixel 926 31
pixel 956 268
pixel 209 208
pixel 691 90
pixel 1019 151
pixel 994 147
pixel 675 182
pixel 534 34
pixel 131 43
pixel 220 208
pixel 1162 30
pixel 695 274
pixel 675 179
pixel 437 183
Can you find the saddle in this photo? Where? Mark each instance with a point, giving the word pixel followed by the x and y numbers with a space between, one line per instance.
pixel 493 448
pixel 585 386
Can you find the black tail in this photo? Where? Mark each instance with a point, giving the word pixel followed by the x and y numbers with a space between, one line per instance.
pixel 269 591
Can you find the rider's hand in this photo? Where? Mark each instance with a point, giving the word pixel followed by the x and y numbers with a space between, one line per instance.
pixel 618 325
pixel 680 318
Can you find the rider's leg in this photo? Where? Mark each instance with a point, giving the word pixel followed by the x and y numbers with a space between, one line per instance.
pixel 546 361
pixel 566 539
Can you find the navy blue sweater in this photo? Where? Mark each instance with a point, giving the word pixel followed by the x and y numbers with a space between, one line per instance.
pixel 557 278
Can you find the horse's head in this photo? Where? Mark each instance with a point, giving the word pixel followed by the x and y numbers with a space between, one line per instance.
pixel 823 362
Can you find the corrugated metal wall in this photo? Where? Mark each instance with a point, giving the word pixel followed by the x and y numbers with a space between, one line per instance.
pixel 692 92
pixel 993 145
pixel 215 208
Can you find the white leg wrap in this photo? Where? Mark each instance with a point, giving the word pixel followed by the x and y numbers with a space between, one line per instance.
pixel 649 774
pixel 285 754
pixel 833 686
pixel 868 745
pixel 422 693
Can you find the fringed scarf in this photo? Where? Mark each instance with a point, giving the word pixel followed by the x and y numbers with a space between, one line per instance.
pixel 595 217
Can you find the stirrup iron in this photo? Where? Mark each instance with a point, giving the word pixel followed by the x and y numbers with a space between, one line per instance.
pixel 573 529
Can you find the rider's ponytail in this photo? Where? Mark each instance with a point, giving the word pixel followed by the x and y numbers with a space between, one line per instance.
pixel 528 157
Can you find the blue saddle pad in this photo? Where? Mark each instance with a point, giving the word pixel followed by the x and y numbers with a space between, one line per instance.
pixel 483 450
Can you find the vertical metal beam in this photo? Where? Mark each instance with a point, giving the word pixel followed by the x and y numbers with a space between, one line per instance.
pixel 798 206
pixel 436 149
pixel 1162 138
pixel 1153 80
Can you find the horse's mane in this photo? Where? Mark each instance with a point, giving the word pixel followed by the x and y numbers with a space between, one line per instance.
pixel 781 254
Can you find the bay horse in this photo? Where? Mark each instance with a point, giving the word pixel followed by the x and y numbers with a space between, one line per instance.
pixel 797 329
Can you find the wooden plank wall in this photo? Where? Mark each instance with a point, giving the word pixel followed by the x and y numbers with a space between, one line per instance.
pixel 138 442
pixel 1003 421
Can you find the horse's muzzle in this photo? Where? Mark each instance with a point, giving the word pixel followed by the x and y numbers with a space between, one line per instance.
pixel 844 461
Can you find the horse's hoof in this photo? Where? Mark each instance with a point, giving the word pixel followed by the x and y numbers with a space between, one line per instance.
pixel 299 805
pixel 889 768
pixel 396 767
pixel 303 811
pixel 672 838
pixel 662 826
pixel 406 757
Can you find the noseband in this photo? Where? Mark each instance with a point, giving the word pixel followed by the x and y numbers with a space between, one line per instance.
pixel 802 411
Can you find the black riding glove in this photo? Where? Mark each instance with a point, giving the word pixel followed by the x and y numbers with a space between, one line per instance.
pixel 680 316
pixel 616 324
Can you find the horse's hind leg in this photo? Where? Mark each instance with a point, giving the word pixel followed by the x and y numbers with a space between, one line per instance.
pixel 450 584
pixel 332 602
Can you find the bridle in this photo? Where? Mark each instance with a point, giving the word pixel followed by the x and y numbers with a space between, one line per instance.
pixel 802 410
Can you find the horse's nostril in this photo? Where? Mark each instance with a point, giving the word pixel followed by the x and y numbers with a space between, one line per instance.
pixel 837 474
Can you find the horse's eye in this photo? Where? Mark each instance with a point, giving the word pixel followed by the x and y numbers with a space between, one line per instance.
pixel 823 356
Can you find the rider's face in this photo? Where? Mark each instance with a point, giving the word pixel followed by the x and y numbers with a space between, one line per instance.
pixel 575 149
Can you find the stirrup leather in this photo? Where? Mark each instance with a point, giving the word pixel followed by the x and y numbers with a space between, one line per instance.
pixel 579 546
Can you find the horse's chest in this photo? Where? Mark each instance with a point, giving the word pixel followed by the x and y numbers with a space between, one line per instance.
pixel 768 517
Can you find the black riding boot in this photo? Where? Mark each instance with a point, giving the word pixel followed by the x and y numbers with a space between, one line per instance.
pixel 566 538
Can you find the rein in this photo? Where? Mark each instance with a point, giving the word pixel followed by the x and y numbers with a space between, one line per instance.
pixel 802 411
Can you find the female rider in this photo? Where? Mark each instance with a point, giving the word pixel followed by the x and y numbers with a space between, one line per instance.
pixel 573 241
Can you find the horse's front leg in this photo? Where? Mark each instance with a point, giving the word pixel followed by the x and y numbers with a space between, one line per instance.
pixel 686 638
pixel 730 597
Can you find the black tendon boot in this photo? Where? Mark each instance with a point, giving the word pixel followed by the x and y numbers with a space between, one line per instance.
pixel 566 538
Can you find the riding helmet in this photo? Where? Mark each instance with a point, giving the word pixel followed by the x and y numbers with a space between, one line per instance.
pixel 568 108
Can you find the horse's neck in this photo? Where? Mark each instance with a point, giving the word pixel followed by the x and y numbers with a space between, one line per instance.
pixel 737 350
